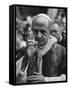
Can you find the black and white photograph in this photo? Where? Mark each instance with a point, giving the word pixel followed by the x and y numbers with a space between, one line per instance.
pixel 41 44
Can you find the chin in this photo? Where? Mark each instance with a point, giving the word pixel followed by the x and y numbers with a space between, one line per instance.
pixel 42 45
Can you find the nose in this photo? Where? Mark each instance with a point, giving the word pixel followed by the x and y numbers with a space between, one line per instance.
pixel 53 33
pixel 39 34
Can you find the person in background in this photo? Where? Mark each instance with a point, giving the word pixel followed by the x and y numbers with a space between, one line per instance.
pixel 64 40
pixel 55 30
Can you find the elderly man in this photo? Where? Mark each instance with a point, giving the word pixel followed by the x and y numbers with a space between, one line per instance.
pixel 43 62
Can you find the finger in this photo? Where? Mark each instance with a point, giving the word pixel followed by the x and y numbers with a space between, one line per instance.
pixel 36 81
pixel 33 77
pixel 37 73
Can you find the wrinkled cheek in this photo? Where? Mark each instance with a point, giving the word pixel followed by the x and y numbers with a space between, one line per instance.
pixel 59 37
pixel 46 39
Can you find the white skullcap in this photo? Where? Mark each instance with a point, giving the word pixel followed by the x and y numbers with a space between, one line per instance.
pixel 43 15
pixel 41 19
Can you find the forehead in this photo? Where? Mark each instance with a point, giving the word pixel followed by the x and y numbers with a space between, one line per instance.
pixel 40 22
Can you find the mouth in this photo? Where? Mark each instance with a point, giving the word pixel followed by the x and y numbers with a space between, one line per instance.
pixel 41 43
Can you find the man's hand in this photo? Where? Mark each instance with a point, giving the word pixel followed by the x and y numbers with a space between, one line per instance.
pixel 31 47
pixel 36 78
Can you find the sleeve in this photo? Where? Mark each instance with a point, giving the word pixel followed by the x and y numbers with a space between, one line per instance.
pixel 64 60
pixel 63 64
pixel 21 69
pixel 18 66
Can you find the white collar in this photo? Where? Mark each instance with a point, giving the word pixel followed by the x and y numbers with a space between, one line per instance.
pixel 47 47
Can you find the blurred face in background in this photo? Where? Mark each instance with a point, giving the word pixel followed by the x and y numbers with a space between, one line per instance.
pixel 64 22
pixel 40 27
pixel 55 31
pixel 64 28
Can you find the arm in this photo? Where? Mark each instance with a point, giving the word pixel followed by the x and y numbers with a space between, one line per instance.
pixel 29 50
pixel 21 73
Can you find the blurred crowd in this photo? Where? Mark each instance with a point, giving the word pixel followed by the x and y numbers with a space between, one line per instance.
pixel 24 32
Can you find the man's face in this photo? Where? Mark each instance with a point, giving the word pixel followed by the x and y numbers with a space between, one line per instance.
pixel 41 33
pixel 55 31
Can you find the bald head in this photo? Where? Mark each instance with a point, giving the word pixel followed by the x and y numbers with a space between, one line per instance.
pixel 55 27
